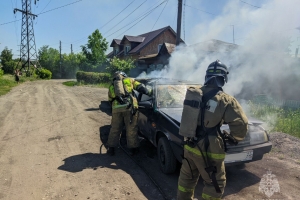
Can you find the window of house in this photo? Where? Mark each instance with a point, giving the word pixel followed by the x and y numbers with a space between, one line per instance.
pixel 116 51
pixel 159 46
pixel 127 49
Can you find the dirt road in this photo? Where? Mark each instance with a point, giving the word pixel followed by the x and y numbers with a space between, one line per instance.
pixel 50 149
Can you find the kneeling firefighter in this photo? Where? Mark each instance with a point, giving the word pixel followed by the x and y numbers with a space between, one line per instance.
pixel 124 111
pixel 205 110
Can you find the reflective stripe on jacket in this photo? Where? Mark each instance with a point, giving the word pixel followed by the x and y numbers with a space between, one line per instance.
pixel 130 84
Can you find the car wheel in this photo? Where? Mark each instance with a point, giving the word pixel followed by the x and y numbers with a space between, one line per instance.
pixel 167 160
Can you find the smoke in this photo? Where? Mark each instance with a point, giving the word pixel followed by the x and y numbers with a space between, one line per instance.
pixel 260 63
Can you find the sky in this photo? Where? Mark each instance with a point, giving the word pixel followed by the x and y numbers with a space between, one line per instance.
pixel 260 64
pixel 72 21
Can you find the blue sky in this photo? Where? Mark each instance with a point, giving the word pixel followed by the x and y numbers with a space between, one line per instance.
pixel 203 19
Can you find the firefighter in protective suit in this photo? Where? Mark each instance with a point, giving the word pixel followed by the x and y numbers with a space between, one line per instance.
pixel 124 111
pixel 206 158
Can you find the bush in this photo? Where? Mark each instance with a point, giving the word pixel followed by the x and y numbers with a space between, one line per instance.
pixel 117 64
pixel 1 72
pixel 44 74
pixel 9 67
pixel 92 77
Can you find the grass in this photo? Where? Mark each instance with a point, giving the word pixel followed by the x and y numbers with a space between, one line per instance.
pixel 75 83
pixel 278 119
pixel 7 82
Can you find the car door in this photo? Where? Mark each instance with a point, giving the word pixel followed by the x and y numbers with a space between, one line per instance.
pixel 146 116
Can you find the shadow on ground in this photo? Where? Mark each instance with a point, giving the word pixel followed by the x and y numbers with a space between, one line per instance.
pixel 121 161
pixel 237 178
pixel 105 107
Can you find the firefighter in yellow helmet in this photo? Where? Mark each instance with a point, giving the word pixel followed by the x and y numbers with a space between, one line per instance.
pixel 204 155
pixel 124 111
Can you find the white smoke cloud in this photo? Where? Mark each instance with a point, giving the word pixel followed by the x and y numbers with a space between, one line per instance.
pixel 260 64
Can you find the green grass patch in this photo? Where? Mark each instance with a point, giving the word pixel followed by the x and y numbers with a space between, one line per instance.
pixel 7 82
pixel 70 83
pixel 75 83
pixel 278 119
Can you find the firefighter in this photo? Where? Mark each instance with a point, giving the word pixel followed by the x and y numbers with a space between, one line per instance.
pixel 206 157
pixel 124 111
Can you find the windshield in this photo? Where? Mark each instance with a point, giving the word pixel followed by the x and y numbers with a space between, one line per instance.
pixel 171 96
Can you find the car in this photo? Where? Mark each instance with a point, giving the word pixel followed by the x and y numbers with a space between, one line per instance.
pixel 159 122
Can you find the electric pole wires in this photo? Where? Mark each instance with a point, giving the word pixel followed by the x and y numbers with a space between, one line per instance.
pixel 28 48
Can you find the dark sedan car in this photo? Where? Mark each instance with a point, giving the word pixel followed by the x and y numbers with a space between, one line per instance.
pixel 159 122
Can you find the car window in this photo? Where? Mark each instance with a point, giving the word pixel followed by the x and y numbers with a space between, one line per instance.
pixel 171 96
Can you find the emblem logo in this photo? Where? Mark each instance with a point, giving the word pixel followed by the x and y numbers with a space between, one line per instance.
pixel 269 184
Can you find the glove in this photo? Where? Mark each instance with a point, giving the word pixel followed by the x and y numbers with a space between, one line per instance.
pixel 229 138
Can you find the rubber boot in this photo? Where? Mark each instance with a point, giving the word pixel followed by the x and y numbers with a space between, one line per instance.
pixel 111 151
pixel 133 151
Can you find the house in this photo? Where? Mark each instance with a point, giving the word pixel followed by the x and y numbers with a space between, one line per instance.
pixel 150 50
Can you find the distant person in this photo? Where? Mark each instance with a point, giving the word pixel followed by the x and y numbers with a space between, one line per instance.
pixel 124 111
pixel 17 75
pixel 204 148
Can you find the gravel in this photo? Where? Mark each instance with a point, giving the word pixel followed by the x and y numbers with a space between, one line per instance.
pixel 285 146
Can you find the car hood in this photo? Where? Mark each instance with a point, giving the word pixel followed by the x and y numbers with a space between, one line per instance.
pixel 176 113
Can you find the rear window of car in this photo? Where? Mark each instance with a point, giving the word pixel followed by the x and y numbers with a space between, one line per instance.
pixel 171 96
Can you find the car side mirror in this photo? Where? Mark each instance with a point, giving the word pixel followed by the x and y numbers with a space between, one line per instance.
pixel 145 104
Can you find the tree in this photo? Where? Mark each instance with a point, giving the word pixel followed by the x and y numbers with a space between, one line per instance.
pixel 95 49
pixel 7 62
pixel 117 64
pixel 49 58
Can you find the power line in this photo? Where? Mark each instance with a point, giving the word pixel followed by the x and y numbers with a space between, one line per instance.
pixel 160 14
pixel 79 40
pixel 43 12
pixel 10 22
pixel 117 14
pixel 249 4
pixel 200 10
pixel 146 14
pixel 125 17
pixel 60 7
pixel 46 5
pixel 143 18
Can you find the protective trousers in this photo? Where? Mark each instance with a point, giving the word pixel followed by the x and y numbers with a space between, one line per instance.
pixel 194 165
pixel 117 122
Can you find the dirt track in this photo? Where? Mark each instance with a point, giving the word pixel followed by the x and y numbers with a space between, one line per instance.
pixel 50 149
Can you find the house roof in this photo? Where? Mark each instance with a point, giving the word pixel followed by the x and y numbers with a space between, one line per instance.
pixel 170 47
pixel 215 45
pixel 144 40
pixel 166 48
pixel 133 39
pixel 149 37
pixel 117 41
pixel 110 55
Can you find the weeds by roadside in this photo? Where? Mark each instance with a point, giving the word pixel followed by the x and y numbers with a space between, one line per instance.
pixel 278 119
pixel 75 83
pixel 7 82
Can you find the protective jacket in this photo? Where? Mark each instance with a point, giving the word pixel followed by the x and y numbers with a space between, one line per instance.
pixel 222 108
pixel 124 111
pixel 129 85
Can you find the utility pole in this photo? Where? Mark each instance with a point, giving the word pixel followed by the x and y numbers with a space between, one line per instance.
pixel 28 55
pixel 179 14
pixel 60 57
pixel 71 49
pixel 232 33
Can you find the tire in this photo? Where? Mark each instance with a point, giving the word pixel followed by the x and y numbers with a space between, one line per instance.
pixel 166 158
